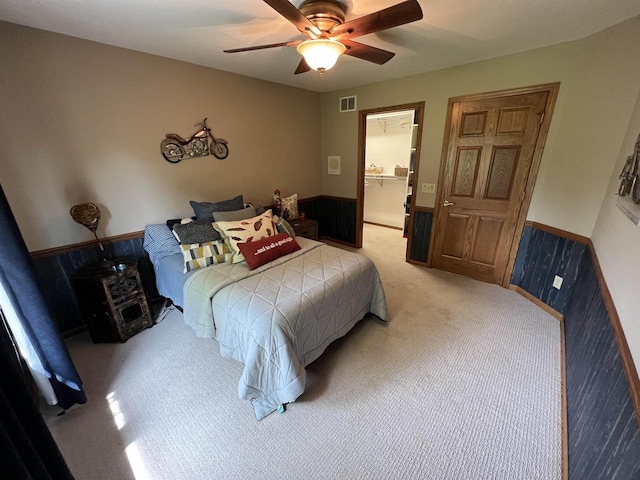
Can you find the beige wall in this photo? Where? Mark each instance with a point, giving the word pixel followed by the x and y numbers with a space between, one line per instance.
pixel 82 121
pixel 598 76
pixel 593 118
pixel 617 243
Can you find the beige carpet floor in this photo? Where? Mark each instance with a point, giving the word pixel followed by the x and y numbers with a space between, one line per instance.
pixel 463 383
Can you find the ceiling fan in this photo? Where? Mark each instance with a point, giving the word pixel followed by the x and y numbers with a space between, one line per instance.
pixel 329 36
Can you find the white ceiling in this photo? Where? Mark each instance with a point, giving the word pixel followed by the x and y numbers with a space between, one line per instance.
pixel 452 32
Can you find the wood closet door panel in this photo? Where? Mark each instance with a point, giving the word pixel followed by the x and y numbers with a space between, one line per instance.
pixel 489 155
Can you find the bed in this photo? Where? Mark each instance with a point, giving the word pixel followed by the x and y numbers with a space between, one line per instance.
pixel 276 318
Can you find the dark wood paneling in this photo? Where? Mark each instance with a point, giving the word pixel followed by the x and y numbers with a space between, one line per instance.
pixel 519 270
pixel 603 434
pixel 309 207
pixel 336 218
pixel 625 353
pixel 421 235
pixel 54 267
pixel 541 256
pixel 604 440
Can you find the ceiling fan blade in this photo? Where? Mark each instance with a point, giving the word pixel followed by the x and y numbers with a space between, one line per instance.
pixel 291 13
pixel 302 67
pixel 399 14
pixel 367 52
pixel 294 43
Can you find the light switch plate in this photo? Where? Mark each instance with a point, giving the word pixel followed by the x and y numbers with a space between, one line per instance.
pixel 333 165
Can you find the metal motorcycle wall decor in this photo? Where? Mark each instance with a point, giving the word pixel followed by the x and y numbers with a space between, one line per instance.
pixel 630 175
pixel 174 148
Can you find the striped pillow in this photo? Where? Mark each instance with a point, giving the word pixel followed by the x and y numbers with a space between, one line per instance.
pixel 159 242
pixel 202 255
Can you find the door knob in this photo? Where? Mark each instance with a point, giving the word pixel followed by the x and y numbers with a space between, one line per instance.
pixel 447 203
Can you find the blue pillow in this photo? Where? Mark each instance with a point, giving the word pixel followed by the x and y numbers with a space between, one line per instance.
pixel 160 242
pixel 204 210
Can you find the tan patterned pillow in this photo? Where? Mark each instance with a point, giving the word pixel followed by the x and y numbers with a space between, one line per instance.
pixel 202 255
pixel 247 230
pixel 289 208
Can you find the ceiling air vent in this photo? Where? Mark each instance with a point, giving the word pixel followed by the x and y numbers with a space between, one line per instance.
pixel 348 104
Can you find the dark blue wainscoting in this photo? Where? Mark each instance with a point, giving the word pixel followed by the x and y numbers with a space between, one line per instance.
pixel 603 434
pixel 336 218
pixel 541 256
pixel 54 270
pixel 309 206
pixel 604 439
pixel 421 235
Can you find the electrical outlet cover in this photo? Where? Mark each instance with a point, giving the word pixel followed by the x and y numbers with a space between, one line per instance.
pixel 557 282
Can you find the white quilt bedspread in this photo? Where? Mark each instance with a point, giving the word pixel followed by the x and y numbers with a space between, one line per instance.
pixel 280 317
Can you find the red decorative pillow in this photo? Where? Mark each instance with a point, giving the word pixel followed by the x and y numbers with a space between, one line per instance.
pixel 267 249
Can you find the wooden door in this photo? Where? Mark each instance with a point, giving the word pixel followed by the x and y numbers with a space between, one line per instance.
pixel 489 152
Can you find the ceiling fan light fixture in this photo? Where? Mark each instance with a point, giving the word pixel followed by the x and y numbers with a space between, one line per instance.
pixel 321 54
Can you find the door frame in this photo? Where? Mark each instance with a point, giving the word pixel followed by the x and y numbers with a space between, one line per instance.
pixel 362 137
pixel 552 94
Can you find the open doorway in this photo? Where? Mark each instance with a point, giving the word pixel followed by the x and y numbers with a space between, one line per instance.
pixel 389 141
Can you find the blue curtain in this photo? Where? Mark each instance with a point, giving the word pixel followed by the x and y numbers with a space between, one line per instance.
pixel 28 449
pixel 19 280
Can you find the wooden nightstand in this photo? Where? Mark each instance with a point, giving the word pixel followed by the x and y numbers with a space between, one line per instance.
pixel 306 228
pixel 112 300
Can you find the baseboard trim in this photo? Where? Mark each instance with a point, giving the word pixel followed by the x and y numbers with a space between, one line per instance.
pixel 50 252
pixel 341 242
pixel 537 301
pixel 558 232
pixel 625 354
pixel 307 199
pixel 565 408
pixel 383 225
pixel 339 199
pixel 418 262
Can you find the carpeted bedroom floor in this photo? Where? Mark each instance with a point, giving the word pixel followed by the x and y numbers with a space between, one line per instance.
pixel 463 383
